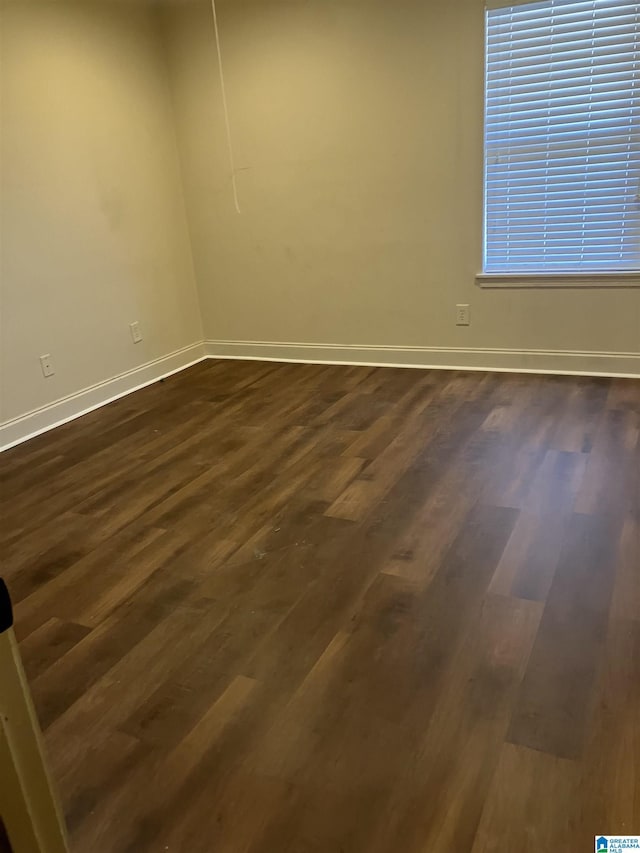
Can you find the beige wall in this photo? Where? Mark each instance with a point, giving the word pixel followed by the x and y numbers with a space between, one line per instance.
pixel 358 133
pixel 94 234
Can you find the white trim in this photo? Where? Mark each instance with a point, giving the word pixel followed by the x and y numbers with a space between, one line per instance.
pixel 559 280
pixel 27 426
pixel 31 810
pixel 564 362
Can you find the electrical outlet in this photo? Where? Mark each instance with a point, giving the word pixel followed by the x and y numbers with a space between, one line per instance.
pixel 46 363
pixel 463 315
pixel 136 334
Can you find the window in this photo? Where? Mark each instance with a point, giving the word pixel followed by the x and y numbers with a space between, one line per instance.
pixel 562 138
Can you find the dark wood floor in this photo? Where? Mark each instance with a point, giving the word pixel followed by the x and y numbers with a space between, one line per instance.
pixel 282 609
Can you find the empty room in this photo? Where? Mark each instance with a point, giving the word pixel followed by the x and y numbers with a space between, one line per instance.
pixel 320 426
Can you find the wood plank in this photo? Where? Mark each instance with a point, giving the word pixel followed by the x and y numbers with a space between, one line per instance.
pixel 312 607
pixel 118 823
pixel 48 644
pixel 530 560
pixel 73 674
pixel 531 805
pixel 556 699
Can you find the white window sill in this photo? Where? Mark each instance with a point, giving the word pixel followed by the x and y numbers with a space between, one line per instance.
pixel 558 280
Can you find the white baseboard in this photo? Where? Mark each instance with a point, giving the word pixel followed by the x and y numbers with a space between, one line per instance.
pixel 567 362
pixel 614 364
pixel 54 414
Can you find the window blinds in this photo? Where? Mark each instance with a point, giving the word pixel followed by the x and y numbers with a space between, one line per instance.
pixel 562 137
